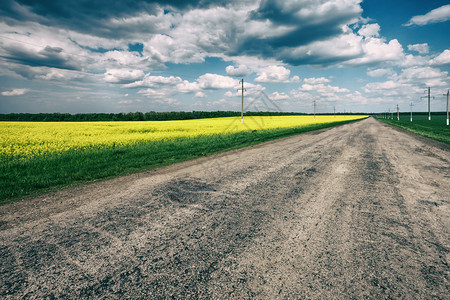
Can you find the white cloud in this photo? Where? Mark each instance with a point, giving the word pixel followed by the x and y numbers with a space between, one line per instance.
pixel 187 87
pixel 379 72
pixel 123 59
pixel 322 90
pixel 122 75
pixel 253 89
pixel 442 59
pixel 410 60
pixel 370 30
pixel 391 89
pixel 409 85
pixel 224 104
pixel 15 92
pixel 386 85
pixel 54 74
pixel 200 95
pixel 377 50
pixel 421 48
pixel 300 95
pixel 440 14
pixel 275 74
pixel 153 81
pixel 337 49
pixel 265 37
pixel 215 81
pixel 279 96
pixel 316 80
pixel 153 93
pixel 230 94
pixel 168 101
pixel 421 76
pixel 240 71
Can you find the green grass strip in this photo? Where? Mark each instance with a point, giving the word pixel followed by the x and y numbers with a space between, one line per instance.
pixel 435 128
pixel 31 177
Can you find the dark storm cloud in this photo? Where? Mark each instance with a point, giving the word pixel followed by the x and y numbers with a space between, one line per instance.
pixel 269 47
pixel 53 57
pixel 172 31
pixel 308 24
pixel 89 16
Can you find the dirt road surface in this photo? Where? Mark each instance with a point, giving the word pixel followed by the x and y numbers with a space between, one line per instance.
pixel 356 211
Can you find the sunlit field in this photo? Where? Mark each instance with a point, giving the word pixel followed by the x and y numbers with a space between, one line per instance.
pixel 40 156
pixel 29 139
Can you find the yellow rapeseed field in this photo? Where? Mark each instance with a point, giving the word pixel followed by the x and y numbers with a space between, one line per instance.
pixel 22 140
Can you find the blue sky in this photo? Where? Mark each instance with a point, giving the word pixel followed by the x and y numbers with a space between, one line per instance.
pixel 125 56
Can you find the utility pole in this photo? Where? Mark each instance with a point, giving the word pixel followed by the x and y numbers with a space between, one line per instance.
pixel 429 110
pixel 242 100
pixel 411 112
pixel 447 106
pixel 314 110
pixel 398 116
pixel 334 110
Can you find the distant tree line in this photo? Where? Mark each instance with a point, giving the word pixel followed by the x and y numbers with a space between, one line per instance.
pixel 134 116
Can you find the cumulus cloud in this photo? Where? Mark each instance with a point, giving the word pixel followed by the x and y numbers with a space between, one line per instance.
pixel 279 96
pixel 112 20
pixel 314 80
pixel 215 81
pixel 275 74
pixel 154 81
pixel 316 86
pixel 408 85
pixel 124 43
pixel 421 48
pixel 386 85
pixel 224 104
pixel 308 17
pixel 123 75
pixel 442 59
pixel 187 87
pixel 240 71
pixel 160 86
pixel 391 89
pixel 338 49
pixel 440 14
pixel 200 95
pixel 424 76
pixel 38 56
pixel 15 92
pixel 370 30
pixel 379 72
pixel 376 50
pixel 410 60
pixel 154 93
pixel 123 59
pixel 300 32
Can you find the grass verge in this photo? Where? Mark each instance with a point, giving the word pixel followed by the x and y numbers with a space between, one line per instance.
pixel 31 177
pixel 435 128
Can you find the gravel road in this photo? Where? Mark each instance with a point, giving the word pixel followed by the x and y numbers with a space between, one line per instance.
pixel 356 211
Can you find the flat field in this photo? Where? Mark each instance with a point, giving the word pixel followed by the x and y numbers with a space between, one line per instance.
pixel 435 128
pixel 359 211
pixel 38 156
